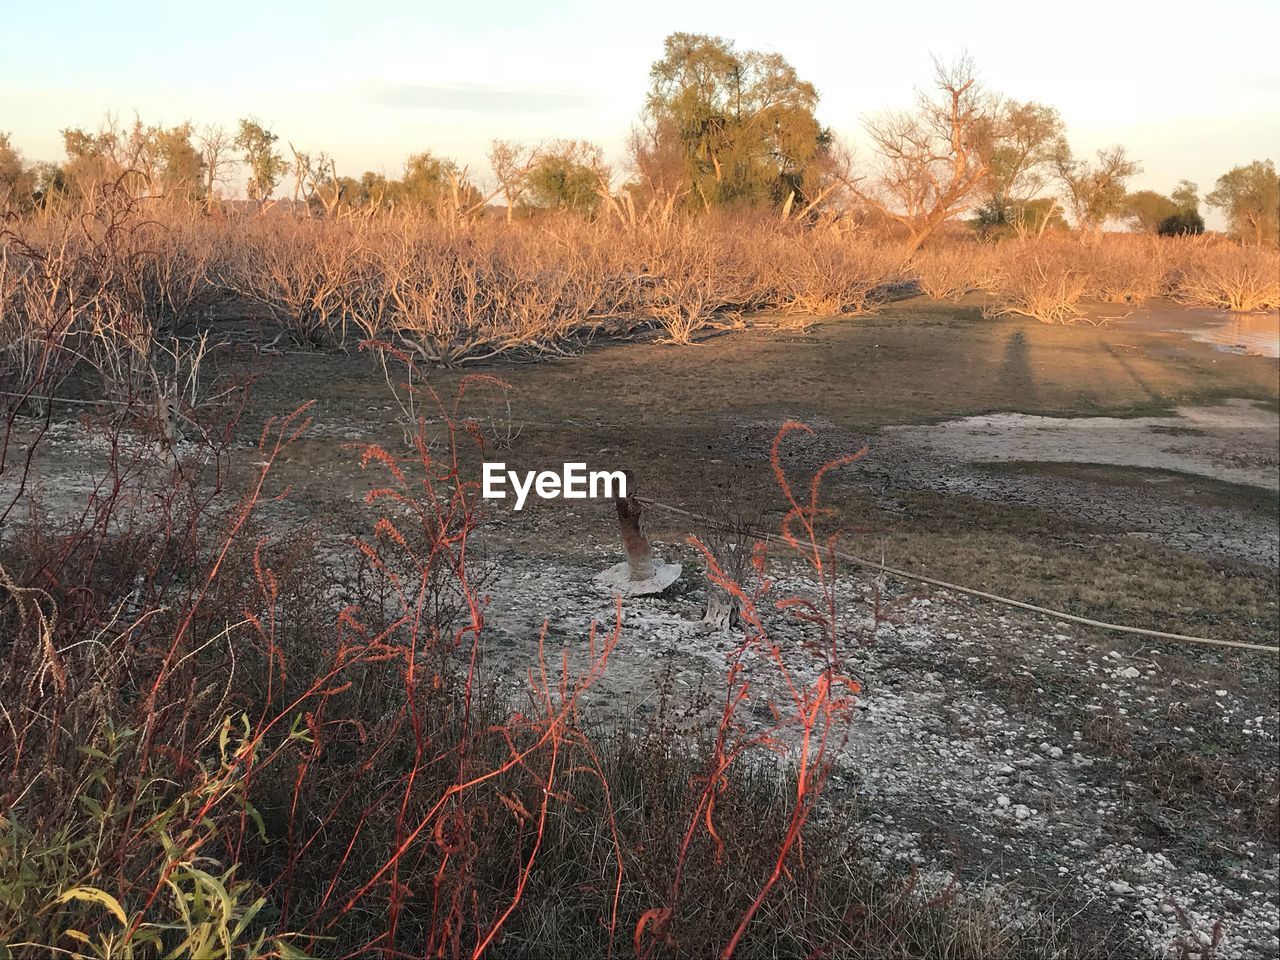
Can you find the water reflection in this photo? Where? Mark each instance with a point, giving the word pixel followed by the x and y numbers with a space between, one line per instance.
pixel 1257 334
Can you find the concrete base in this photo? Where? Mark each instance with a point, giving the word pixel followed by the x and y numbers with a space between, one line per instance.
pixel 617 579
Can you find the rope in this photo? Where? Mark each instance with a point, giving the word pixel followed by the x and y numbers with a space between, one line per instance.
pixel 86 403
pixel 973 592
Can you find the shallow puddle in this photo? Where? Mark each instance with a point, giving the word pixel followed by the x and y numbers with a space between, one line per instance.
pixel 1252 334
pixel 1256 334
pixel 1234 442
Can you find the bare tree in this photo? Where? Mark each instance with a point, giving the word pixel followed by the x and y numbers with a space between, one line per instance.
pixel 935 160
pixel 215 150
pixel 511 163
pixel 316 180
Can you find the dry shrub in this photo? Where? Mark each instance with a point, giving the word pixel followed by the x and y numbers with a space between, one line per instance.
pixel 105 286
pixel 305 273
pixel 949 271
pixel 1041 282
pixel 97 291
pixel 826 273
pixel 1124 269
pixel 1230 277
pixel 686 288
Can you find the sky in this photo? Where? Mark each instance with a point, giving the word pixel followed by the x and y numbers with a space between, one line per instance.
pixel 1190 89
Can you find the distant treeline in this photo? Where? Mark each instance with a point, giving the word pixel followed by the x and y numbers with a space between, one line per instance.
pixel 722 129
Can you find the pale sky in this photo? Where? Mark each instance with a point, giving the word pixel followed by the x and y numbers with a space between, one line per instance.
pixel 1190 89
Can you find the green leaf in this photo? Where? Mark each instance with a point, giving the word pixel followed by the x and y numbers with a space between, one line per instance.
pixel 93 806
pixel 94 895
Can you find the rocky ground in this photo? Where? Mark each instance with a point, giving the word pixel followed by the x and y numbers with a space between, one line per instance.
pixel 1123 788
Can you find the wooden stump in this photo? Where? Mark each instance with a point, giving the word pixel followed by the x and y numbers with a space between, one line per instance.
pixel 640 564
pixel 642 572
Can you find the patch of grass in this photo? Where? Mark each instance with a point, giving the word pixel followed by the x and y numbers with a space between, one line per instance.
pixel 1053 562
pixel 1206 491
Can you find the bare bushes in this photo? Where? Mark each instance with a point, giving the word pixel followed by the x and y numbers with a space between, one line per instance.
pixel 694 277
pixel 1043 284
pixel 1123 270
pixel 99 290
pixel 96 292
pixel 1229 277
pixel 454 293
pixel 459 295
pixel 1046 279
pixel 949 271
pixel 826 273
pixel 305 273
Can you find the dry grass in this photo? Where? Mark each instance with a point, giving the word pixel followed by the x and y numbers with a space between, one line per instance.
pixel 97 289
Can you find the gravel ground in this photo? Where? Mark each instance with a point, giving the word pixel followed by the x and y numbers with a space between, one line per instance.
pixel 981 749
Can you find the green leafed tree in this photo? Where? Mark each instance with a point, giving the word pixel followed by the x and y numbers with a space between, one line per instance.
pixel 161 161
pixel 566 175
pixel 180 166
pixel 1095 192
pixel 435 184
pixel 266 166
pixel 92 159
pixel 1249 196
pixel 1184 223
pixel 1025 140
pixel 727 127
pixel 1147 209
pixel 17 179
pixel 1039 215
pixel 1186 197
